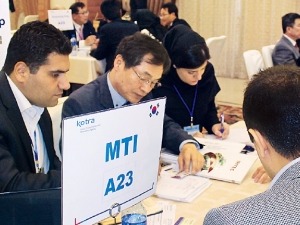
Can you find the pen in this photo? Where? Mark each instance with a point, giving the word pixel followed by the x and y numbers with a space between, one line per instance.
pixel 179 221
pixel 222 122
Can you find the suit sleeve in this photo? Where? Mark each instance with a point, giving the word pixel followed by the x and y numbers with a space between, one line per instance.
pixel 216 217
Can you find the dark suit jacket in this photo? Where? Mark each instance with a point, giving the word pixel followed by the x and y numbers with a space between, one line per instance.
pixel 110 36
pixel 285 53
pixel 17 168
pixel 96 96
pixel 277 205
pixel 179 21
pixel 88 29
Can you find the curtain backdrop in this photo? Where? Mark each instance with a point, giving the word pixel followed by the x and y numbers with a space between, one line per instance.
pixel 247 25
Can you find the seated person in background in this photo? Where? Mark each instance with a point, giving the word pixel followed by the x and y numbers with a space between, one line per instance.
pixel 33 77
pixel 149 24
pixel 275 92
pixel 136 5
pixel 191 85
pixel 83 28
pixel 138 65
pixel 286 50
pixel 113 32
pixel 169 16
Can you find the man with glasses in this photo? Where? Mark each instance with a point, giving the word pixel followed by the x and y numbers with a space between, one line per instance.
pixel 139 64
pixel 169 16
pixel 286 50
pixel 83 28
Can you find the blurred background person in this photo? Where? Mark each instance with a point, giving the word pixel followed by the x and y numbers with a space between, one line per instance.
pixel 113 32
pixel 84 30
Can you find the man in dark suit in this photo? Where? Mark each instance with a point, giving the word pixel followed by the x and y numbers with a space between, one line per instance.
pixel 113 32
pixel 83 30
pixel 286 51
pixel 169 16
pixel 32 78
pixel 139 63
pixel 271 112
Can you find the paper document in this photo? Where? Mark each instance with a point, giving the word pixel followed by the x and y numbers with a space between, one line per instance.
pixel 225 160
pixel 184 189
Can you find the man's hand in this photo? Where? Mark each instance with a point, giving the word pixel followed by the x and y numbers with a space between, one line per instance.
pixel 217 130
pixel 90 40
pixel 190 159
pixel 261 176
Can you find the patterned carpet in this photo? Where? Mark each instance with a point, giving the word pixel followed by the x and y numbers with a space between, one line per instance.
pixel 232 114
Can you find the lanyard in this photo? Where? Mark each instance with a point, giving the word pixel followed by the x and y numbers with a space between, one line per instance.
pixel 36 154
pixel 191 112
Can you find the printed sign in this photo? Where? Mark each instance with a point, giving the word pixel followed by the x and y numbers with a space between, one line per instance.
pixel 5 31
pixel 61 19
pixel 110 160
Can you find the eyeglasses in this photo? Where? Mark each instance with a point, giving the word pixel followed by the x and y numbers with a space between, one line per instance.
pixel 163 15
pixel 152 84
pixel 84 13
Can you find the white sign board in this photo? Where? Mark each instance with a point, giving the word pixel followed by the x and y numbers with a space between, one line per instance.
pixel 110 157
pixel 61 19
pixel 5 31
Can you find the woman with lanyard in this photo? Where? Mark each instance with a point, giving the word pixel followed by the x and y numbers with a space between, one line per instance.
pixel 191 86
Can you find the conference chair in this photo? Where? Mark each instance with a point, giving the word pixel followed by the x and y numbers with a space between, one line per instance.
pixel 215 45
pixel 254 62
pixel 31 18
pixel 267 55
pixel 55 114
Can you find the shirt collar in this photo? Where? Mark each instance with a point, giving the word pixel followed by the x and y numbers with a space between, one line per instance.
pixel 77 26
pixel 24 105
pixel 283 169
pixel 117 99
pixel 290 39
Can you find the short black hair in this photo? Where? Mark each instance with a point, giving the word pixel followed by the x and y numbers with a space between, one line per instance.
pixel 272 106
pixel 76 6
pixel 111 9
pixel 32 43
pixel 172 8
pixel 288 20
pixel 133 48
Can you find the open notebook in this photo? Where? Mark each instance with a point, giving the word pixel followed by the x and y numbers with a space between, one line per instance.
pixel 225 160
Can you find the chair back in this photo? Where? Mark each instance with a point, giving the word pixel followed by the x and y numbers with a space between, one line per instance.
pixel 55 114
pixel 31 18
pixel 215 45
pixel 267 55
pixel 253 62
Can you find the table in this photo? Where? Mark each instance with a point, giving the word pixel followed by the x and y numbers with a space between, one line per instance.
pixel 84 69
pixel 219 193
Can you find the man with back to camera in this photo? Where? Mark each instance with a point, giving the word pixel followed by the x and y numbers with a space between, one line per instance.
pixel 286 51
pixel 33 77
pixel 112 33
pixel 271 111
pixel 83 30
pixel 139 64
pixel 169 16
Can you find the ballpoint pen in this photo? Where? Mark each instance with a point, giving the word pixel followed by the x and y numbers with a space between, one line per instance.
pixel 222 123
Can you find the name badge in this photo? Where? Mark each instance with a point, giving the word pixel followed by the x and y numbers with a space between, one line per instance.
pixel 191 129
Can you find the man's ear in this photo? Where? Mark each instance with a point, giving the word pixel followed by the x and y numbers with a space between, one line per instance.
pixel 21 72
pixel 118 61
pixel 261 144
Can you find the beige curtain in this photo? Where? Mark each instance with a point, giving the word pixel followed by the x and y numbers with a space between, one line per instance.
pixel 247 25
